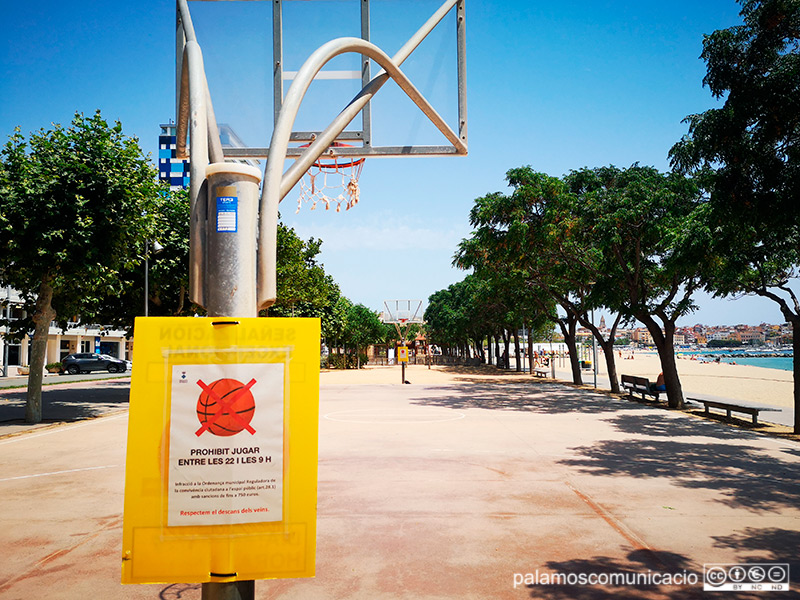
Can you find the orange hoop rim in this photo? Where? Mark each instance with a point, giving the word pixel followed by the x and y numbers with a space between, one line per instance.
pixel 337 162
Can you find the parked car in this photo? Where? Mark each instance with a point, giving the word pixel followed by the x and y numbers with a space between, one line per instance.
pixel 85 362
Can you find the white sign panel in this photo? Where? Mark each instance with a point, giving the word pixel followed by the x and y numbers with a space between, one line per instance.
pixel 226 444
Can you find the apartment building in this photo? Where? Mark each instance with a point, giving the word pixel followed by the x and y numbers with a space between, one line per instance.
pixel 15 355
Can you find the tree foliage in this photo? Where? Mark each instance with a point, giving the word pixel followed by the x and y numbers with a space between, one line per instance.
pixel 746 153
pixel 363 327
pixel 629 240
pixel 76 204
pixel 648 251
pixel 303 286
pixel 166 258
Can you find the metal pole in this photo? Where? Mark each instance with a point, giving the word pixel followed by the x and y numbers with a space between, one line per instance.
pixel 232 590
pixel 229 279
pixel 594 352
pixel 146 278
pixel 5 337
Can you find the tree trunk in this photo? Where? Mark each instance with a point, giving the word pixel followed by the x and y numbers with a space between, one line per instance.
pixel 796 371
pixel 568 330
pixel 41 318
pixel 611 364
pixel 517 356
pixel 507 344
pixel 607 347
pixel 497 350
pixel 793 317
pixel 530 352
pixel 664 341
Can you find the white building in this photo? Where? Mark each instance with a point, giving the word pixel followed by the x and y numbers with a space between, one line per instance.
pixel 75 338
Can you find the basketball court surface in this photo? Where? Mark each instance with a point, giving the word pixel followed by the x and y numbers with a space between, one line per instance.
pixel 448 488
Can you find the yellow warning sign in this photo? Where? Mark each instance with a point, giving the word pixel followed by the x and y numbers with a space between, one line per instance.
pixel 217 408
pixel 402 354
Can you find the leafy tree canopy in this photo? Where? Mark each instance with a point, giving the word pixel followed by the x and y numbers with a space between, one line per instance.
pixel 74 202
pixel 304 289
pixel 747 156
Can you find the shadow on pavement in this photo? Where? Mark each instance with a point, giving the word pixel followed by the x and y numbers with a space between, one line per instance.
pixel 771 544
pixel 744 476
pixel 638 562
pixel 643 563
pixel 177 591
pixel 537 397
pixel 74 402
pixel 659 425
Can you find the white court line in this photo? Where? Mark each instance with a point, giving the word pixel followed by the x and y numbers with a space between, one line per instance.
pixel 57 472
pixel 22 437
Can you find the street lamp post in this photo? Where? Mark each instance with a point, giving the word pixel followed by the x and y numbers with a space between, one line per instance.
pixel 156 249
pixel 5 338
pixel 594 352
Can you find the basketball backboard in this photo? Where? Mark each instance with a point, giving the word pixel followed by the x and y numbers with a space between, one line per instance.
pixel 402 312
pixel 221 74
pixel 253 52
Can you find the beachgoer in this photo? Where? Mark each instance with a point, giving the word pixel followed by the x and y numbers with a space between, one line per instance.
pixel 659 385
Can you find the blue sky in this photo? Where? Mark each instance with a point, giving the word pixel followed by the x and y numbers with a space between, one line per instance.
pixel 557 86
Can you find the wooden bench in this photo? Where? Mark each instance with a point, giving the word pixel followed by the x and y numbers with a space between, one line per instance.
pixel 638 385
pixel 541 372
pixel 729 407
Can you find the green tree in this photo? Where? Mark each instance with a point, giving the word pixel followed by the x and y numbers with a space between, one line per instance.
pixel 456 316
pixel 522 238
pixel 168 270
pixel 563 261
pixel 333 313
pixel 747 155
pixel 363 327
pixel 304 289
pixel 651 250
pixel 76 205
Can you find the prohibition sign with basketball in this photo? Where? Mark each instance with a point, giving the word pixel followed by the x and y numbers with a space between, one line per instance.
pixel 225 407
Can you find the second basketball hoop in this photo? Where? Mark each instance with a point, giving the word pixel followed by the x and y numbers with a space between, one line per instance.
pixel 332 174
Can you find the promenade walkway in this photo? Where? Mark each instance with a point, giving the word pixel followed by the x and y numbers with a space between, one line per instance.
pixel 456 486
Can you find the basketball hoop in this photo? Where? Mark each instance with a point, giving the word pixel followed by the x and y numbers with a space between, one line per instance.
pixel 332 173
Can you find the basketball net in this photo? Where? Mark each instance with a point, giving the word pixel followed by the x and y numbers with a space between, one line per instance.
pixel 400 326
pixel 328 175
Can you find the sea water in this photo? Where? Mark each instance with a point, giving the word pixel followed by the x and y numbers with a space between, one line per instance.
pixel 782 363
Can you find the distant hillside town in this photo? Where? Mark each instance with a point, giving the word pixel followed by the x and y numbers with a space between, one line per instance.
pixel 765 334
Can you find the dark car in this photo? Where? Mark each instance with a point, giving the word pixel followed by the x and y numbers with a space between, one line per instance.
pixel 85 362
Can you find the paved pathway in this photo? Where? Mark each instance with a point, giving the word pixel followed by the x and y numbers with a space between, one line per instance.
pixel 454 490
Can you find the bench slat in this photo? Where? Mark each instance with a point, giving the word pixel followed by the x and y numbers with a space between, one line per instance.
pixel 729 407
pixel 639 385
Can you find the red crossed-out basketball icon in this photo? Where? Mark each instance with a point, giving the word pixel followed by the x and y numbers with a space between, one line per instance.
pixel 225 407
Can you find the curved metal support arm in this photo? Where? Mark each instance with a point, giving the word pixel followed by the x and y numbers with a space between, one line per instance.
pixel 277 185
pixel 186 21
pixel 214 144
pixel 197 115
pixel 327 137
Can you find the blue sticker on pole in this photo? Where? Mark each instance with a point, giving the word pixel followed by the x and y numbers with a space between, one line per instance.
pixel 227 213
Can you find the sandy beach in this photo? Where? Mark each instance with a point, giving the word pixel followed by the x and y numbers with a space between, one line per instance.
pixel 742 383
